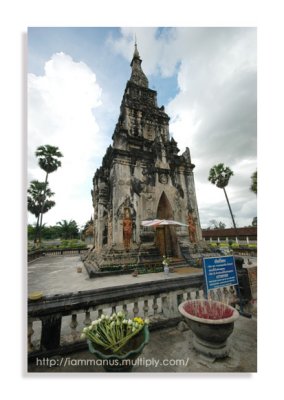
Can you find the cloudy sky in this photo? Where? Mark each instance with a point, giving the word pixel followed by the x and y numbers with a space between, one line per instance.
pixel 205 78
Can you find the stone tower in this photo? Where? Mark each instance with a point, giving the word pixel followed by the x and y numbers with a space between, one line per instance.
pixel 143 177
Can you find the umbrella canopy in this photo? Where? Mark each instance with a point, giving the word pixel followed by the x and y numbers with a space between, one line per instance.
pixel 162 222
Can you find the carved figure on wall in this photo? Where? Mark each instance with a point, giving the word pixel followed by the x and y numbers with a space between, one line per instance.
pixel 149 175
pixel 163 178
pixel 136 186
pixel 110 228
pixel 191 229
pixel 127 229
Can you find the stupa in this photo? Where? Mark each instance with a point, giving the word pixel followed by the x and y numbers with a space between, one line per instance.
pixel 142 177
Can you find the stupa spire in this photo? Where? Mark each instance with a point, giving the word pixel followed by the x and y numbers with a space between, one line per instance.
pixel 137 75
pixel 136 52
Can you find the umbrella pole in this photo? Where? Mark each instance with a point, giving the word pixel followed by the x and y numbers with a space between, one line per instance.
pixel 165 241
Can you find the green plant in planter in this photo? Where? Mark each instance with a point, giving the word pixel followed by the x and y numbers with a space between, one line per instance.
pixel 112 333
pixel 117 341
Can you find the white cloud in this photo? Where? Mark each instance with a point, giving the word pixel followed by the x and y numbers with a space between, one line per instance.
pixel 214 111
pixel 61 112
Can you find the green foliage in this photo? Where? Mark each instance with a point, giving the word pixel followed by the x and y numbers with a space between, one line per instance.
pixel 220 175
pixel 254 221
pixel 37 192
pixel 70 244
pixel 68 229
pixel 253 186
pixel 234 245
pixel 50 244
pixel 216 225
pixel 142 269
pixel 48 158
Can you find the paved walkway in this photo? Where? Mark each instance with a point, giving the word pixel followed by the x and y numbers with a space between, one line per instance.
pixel 58 274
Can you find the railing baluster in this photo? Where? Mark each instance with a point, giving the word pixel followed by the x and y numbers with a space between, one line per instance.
pixel 73 325
pixel 135 308
pixel 50 332
pixel 30 334
pixel 165 306
pixel 124 308
pixel 155 305
pixel 179 298
pixel 226 295
pixel 146 308
pixel 87 320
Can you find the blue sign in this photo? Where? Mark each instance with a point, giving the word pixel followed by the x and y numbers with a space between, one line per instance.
pixel 220 272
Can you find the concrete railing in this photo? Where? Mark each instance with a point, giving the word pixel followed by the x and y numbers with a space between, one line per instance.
pixel 33 255
pixel 245 251
pixel 55 322
pixel 61 318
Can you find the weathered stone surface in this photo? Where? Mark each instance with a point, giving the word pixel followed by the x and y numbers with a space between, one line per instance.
pixel 142 177
pixel 182 326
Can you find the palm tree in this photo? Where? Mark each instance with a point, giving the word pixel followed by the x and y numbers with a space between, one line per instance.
pixel 220 175
pixel 48 159
pixel 35 201
pixel 68 229
pixel 253 186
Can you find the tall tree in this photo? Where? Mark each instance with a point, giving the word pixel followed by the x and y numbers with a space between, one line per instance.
pixel 216 225
pixel 48 159
pixel 253 186
pixel 68 229
pixel 36 194
pixel 220 175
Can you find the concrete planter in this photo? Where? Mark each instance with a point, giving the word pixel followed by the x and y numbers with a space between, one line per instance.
pixel 122 363
pixel 212 323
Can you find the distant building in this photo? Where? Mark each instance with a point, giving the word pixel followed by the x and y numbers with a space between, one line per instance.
pixel 241 235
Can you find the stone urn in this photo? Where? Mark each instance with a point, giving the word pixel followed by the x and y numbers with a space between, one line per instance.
pixel 211 322
pixel 124 361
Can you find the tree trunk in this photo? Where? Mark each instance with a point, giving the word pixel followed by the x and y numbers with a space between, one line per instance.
pixel 230 210
pixel 37 231
pixel 42 208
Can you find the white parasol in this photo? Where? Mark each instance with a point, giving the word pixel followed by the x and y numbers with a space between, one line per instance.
pixel 162 222
pixel 155 223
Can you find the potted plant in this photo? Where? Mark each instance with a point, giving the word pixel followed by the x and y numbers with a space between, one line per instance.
pixel 166 263
pixel 116 340
pixel 211 322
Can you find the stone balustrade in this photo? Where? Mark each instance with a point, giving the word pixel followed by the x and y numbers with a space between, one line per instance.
pixel 33 255
pixel 245 251
pixel 61 318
